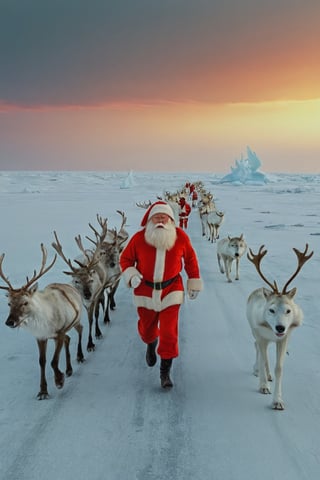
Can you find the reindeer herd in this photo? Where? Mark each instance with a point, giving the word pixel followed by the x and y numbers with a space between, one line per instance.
pixel 95 276
pixel 54 311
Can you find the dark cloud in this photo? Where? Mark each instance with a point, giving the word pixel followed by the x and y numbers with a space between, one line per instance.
pixel 80 51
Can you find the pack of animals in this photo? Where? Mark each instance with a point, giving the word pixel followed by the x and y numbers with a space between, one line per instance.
pixel 95 274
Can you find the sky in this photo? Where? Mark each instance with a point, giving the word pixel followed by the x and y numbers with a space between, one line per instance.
pixel 112 420
pixel 147 85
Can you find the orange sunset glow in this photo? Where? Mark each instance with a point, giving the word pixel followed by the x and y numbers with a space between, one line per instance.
pixel 188 90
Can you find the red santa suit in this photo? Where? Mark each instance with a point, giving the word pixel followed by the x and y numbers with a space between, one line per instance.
pixel 194 198
pixel 184 213
pixel 161 291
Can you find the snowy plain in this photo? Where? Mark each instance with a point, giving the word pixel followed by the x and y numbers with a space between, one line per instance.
pixel 112 421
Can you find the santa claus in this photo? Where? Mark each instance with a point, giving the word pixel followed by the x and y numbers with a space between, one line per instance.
pixel 151 264
pixel 184 212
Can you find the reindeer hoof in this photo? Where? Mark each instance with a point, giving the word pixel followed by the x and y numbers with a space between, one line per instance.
pixel 278 406
pixel 43 396
pixel 59 380
pixel 264 390
pixel 69 372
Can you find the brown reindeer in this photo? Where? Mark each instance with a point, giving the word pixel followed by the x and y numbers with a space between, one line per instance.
pixel 272 316
pixel 108 251
pixel 89 278
pixel 47 314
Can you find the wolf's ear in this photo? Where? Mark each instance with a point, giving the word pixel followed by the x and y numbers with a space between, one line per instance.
pixel 291 292
pixel 266 292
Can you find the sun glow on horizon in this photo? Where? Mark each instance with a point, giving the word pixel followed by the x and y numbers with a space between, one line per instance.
pixel 133 134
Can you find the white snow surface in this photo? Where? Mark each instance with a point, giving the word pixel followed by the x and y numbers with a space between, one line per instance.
pixel 111 420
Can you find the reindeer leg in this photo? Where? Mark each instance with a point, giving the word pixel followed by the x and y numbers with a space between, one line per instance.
pixel 98 333
pixel 90 345
pixel 42 346
pixel 106 312
pixel 80 357
pixel 112 300
pixel 58 375
pixel 281 347
pixel 69 369
pixel 101 301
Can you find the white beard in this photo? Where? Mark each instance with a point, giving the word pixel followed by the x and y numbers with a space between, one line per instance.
pixel 161 236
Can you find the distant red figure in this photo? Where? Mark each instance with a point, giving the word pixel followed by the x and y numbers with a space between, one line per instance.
pixel 184 213
pixel 194 198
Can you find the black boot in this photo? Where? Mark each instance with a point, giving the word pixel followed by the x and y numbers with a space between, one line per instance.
pixel 165 367
pixel 151 357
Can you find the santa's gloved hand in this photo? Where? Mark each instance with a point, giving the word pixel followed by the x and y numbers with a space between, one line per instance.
pixel 136 280
pixel 193 294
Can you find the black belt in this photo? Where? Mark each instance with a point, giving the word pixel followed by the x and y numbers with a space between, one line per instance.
pixel 161 285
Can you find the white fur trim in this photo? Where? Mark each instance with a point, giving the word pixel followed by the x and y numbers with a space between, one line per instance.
pixel 156 304
pixel 194 284
pixel 128 274
pixel 161 208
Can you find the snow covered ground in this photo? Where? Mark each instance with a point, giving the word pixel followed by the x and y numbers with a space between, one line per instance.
pixel 112 421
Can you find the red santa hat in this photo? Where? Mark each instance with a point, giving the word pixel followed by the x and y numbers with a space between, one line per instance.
pixel 157 207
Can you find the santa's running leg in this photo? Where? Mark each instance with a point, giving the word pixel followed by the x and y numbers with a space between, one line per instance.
pixel 165 367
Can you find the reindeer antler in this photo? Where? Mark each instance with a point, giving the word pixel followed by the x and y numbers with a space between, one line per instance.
pixel 144 204
pixel 2 275
pixel 90 258
pixel 58 247
pixel 100 237
pixel 35 277
pixel 43 270
pixel 124 219
pixel 302 259
pixel 256 260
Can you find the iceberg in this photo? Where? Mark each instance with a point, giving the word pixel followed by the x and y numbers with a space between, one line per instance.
pixel 245 171
pixel 129 181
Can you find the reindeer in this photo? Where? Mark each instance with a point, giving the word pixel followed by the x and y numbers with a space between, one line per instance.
pixel 120 236
pixel 89 278
pixel 47 314
pixel 144 204
pixel 205 206
pixel 108 252
pixel 214 221
pixel 228 250
pixel 272 316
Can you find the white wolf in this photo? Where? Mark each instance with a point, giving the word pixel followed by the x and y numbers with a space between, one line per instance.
pixel 272 316
pixel 228 250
